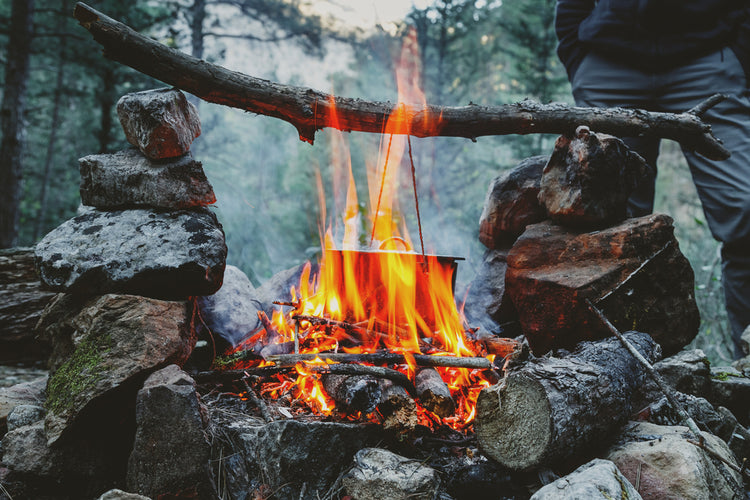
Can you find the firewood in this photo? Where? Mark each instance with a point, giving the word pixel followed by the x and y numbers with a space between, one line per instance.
pixel 352 393
pixel 433 393
pixel 384 358
pixel 552 409
pixel 378 372
pixel 310 110
pixel 396 406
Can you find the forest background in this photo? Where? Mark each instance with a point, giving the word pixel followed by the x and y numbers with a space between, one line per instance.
pixel 59 96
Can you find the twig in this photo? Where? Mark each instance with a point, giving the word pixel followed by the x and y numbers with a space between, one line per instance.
pixel 703 446
pixel 384 358
pixel 700 109
pixel 258 402
pixel 665 389
pixel 226 376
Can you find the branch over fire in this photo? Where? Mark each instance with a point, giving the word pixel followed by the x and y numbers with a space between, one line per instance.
pixel 310 110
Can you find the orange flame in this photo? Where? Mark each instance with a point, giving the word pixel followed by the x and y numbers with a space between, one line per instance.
pixel 385 296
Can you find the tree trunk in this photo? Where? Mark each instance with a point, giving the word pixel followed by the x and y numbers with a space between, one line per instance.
pixel 12 119
pixel 552 409
pixel 54 125
pixel 309 110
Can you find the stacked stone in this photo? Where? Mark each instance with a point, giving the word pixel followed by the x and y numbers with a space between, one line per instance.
pixel 557 233
pixel 143 245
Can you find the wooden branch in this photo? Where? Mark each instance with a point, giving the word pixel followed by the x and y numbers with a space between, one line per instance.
pixel 383 358
pixel 310 110
pixel 379 372
pixel 434 393
pixel 352 393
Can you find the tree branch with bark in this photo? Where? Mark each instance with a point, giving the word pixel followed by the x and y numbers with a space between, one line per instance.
pixel 310 110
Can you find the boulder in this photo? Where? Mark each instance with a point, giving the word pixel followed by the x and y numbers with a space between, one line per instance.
pixel 22 299
pixel 232 312
pixel 175 462
pixel 687 371
pixel 487 305
pixel 294 458
pixel 589 178
pixel 27 393
pixel 279 287
pixel 511 203
pixel 382 474
pixel 665 466
pixel 129 179
pixel 145 252
pixel 83 469
pixel 598 479
pixel 118 341
pixel 121 495
pixel 162 123
pixel 634 272
pixel 731 388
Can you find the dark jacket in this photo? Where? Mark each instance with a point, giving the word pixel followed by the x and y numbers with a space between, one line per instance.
pixel 651 34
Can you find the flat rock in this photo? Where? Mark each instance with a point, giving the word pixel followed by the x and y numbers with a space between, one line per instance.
pixel 121 495
pixel 384 475
pixel 22 299
pixel 118 341
pixel 511 203
pixel 162 123
pixel 598 479
pixel 634 272
pixel 129 179
pixel 143 252
pixel 666 466
pixel 170 463
pixel 232 312
pixel 589 178
pixel 687 371
pixel 731 388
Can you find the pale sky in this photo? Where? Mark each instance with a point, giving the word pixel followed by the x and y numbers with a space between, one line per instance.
pixel 366 13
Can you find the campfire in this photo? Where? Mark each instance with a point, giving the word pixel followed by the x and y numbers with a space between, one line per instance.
pixel 383 312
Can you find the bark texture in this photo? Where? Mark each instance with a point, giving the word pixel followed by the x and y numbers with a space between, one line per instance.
pixel 309 110
pixel 553 409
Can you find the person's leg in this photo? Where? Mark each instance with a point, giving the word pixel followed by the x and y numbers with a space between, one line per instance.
pixel 723 186
pixel 601 82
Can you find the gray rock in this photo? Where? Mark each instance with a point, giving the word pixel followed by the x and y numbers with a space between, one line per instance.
pixel 589 178
pixel 162 123
pixel 144 252
pixel 298 459
pixel 24 415
pixel 232 312
pixel 486 304
pixel 121 495
pixel 177 462
pixel 118 341
pixel 381 474
pixel 598 479
pixel 511 203
pixel 665 465
pixel 26 393
pixel 82 469
pixel 129 179
pixel 279 287
pixel 731 388
pixel 687 371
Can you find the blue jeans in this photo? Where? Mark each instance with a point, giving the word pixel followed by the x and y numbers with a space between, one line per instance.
pixel 723 186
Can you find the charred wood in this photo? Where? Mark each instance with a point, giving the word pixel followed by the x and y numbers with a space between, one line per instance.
pixel 352 393
pixel 383 359
pixel 309 110
pixel 396 406
pixel 553 409
pixel 434 393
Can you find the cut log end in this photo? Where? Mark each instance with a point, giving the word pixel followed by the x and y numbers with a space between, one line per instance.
pixel 513 422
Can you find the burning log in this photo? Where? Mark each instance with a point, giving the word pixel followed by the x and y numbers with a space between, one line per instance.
pixel 309 110
pixel 352 393
pixel 385 358
pixel 397 407
pixel 552 409
pixel 434 393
